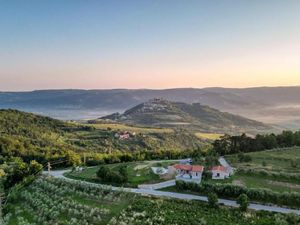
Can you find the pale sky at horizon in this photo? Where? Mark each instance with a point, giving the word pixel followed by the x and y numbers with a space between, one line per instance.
pixel 62 44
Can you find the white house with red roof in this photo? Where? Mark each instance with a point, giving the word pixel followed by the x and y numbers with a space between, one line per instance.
pixel 189 173
pixel 220 172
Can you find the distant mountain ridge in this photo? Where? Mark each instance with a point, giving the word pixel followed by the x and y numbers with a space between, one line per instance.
pixel 279 105
pixel 164 113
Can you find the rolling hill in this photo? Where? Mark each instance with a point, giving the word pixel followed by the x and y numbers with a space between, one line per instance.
pixel 164 113
pixel 276 105
pixel 31 136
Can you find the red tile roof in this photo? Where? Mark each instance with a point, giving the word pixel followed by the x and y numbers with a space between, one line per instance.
pixel 189 168
pixel 219 168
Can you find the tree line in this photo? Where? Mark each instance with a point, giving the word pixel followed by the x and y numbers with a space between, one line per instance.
pixel 228 144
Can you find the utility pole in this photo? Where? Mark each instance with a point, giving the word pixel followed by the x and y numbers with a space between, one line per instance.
pixel 49 167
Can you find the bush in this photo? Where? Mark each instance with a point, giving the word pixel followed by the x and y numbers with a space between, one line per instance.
pixel 107 175
pixel 244 158
pixel 212 200
pixel 274 175
pixel 243 201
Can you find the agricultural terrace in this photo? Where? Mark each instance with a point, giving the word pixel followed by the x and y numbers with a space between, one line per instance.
pixel 51 201
pixel 138 172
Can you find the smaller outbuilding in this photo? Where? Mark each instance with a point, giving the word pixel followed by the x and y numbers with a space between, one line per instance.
pixel 220 172
pixel 189 173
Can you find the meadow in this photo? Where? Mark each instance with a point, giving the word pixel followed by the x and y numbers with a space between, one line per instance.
pixel 277 169
pixel 276 160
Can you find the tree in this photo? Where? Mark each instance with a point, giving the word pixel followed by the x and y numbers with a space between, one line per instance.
pixel 123 172
pixel 212 200
pixel 2 175
pixel 243 201
pixel 103 172
pixel 73 158
pixel 34 167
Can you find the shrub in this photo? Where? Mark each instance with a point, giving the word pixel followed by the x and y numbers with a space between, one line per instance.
pixel 107 175
pixel 212 200
pixel 243 201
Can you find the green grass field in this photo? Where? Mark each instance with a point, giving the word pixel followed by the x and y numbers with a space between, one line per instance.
pixel 138 172
pixel 277 160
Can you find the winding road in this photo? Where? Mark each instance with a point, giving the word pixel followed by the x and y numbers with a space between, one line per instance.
pixel 149 191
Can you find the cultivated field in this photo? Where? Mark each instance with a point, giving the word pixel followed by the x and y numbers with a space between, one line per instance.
pixel 208 136
pixel 52 201
pixel 124 127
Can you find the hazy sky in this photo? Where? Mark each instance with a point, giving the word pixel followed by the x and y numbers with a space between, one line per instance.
pixel 148 43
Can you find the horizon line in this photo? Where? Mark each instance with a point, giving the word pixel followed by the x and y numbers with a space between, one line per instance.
pixel 158 89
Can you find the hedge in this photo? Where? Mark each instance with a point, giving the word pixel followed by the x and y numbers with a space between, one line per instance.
pixel 265 173
pixel 291 199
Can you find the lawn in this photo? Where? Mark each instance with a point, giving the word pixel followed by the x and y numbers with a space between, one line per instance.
pixel 138 172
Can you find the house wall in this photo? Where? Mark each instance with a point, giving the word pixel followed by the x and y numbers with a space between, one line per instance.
pixel 219 175
pixel 189 176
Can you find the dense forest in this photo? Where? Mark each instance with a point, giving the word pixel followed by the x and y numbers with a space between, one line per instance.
pixel 243 143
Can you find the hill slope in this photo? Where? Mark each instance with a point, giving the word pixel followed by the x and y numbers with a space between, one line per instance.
pixel 163 113
pixel 42 138
pixel 278 105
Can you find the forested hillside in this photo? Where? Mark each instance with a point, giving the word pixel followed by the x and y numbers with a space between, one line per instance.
pixel 41 138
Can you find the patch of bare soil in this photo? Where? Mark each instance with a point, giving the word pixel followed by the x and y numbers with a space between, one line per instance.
pixel 238 183
pixel 167 176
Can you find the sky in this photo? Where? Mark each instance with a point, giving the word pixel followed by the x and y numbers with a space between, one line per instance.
pixel 58 44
